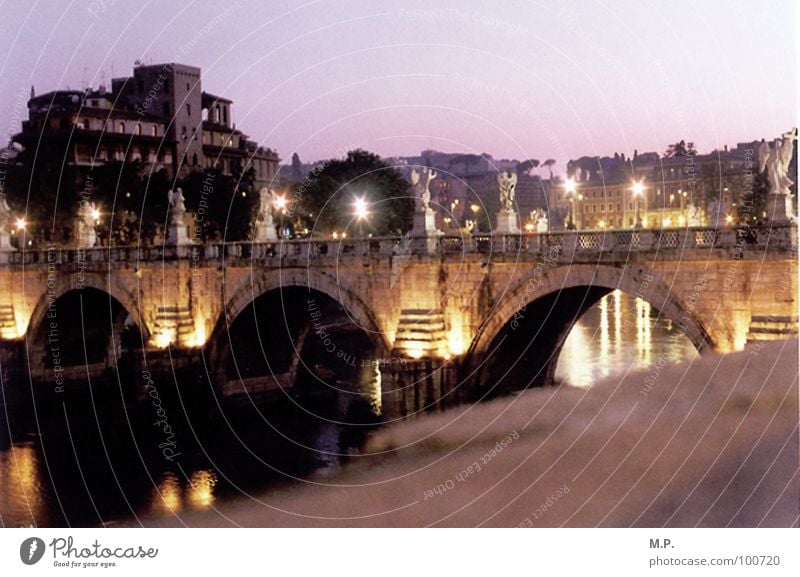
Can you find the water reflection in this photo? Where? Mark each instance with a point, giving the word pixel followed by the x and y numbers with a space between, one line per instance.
pixel 20 481
pixel 621 333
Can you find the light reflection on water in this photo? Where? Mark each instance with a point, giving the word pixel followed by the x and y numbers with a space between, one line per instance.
pixel 621 333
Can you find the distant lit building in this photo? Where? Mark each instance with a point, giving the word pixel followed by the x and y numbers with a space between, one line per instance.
pixel 675 191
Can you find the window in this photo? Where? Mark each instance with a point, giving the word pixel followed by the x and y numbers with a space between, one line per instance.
pixel 121 128
pixel 138 129
pixel 194 160
pixel 154 130
pixel 166 85
pixel 225 115
pixel 188 109
pixel 165 108
pixel 187 87
pixel 183 132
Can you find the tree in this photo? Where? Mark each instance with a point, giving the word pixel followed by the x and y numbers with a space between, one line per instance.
pixel 680 149
pixel 224 205
pixel 325 203
pixel 549 165
pixel 526 166
pixel 296 173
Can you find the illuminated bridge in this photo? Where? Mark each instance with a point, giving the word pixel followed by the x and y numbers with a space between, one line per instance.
pixel 452 312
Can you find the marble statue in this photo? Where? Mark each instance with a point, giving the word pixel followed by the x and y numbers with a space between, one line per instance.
pixel 85 233
pixel 6 218
pixel 265 225
pixel 542 223
pixel 177 231
pixel 421 181
pixel 775 161
pixel 177 204
pixel 266 204
pixel 694 215
pixel 508 184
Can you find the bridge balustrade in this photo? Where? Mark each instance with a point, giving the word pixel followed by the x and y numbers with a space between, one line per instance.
pixel 566 242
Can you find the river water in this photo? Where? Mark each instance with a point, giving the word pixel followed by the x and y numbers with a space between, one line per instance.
pixel 93 460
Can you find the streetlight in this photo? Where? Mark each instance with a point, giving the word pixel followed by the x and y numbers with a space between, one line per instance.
pixel 362 213
pixel 638 190
pixel 571 186
pixel 95 215
pixel 280 203
pixel 21 224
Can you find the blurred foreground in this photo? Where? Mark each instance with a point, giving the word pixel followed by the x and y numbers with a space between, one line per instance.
pixel 711 442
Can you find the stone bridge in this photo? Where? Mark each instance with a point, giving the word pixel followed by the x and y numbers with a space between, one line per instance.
pixel 431 315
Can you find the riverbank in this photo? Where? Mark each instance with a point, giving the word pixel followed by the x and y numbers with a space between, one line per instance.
pixel 710 442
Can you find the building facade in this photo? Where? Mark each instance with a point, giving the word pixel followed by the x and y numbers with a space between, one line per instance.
pixel 158 116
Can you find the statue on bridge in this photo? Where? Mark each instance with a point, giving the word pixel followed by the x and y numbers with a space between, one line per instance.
pixel 421 181
pixel 694 215
pixel 6 220
pixel 177 204
pixel 507 221
pixel 774 162
pixel 177 234
pixel 508 184
pixel 265 223
pixel 85 231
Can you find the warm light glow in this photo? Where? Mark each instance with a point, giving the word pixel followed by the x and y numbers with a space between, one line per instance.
pixel 95 214
pixel 335 235
pixel 529 226
pixel 601 224
pixel 198 338
pixel 361 208
pixel 474 208
pixel 667 221
pixel 281 202
pixel 164 338
pixel 415 349
pixel 729 219
pixel 21 224
pixel 201 493
pixel 638 188
pixel 455 340
pixel 570 185
pixel 167 496
pixel 681 220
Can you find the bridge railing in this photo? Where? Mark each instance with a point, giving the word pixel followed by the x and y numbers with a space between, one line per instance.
pixel 564 244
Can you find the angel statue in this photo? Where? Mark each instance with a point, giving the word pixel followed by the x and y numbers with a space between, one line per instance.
pixel 421 181
pixel 177 204
pixel 266 204
pixel 775 160
pixel 508 183
pixel 5 214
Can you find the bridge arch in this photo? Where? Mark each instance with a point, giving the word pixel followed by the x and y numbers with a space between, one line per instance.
pixel 259 286
pixel 333 287
pixel 588 283
pixel 104 283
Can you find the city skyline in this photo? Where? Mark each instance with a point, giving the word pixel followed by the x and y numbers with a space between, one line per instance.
pixel 400 79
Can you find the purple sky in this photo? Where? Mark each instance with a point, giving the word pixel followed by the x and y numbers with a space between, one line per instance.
pixel 535 80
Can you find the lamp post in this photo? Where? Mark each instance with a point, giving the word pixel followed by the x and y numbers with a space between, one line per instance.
pixel 361 213
pixel 280 205
pixel 570 186
pixel 638 190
